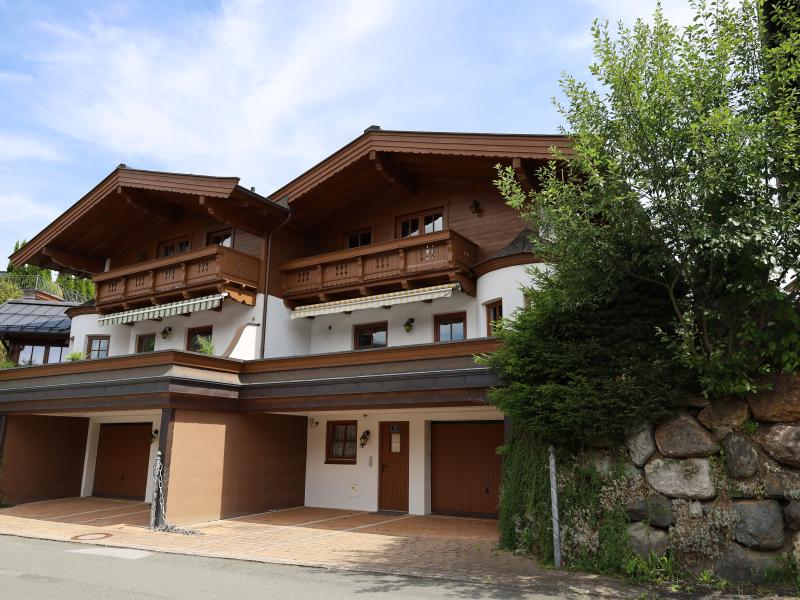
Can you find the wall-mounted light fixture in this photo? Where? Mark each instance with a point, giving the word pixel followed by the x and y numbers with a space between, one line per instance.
pixel 408 325
pixel 313 423
pixel 475 208
pixel 165 332
pixel 364 437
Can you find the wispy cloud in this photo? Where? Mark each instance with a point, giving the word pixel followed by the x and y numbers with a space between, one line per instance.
pixel 233 92
pixel 19 208
pixel 19 147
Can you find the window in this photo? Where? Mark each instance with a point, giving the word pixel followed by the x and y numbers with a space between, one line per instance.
pixel 341 442
pixel 494 312
pixel 220 238
pixel 173 247
pixel 426 222
pixel 354 239
pixel 146 343
pixel 194 343
pixel 450 328
pixel 97 346
pixel 56 354
pixel 371 335
pixel 32 355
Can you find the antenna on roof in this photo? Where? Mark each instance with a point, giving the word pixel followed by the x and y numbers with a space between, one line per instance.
pixel 122 166
pixel 253 188
pixel 372 128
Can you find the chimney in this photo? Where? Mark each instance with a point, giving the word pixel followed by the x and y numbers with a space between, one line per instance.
pixel 372 128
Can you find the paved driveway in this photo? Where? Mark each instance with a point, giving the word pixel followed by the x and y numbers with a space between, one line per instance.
pixel 430 546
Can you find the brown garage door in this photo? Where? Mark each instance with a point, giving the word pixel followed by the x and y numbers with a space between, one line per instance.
pixel 123 454
pixel 465 467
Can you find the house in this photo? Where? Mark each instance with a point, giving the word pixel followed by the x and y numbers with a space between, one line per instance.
pixel 338 319
pixel 34 329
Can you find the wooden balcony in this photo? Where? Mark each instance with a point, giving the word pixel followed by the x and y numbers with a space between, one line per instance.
pixel 444 256
pixel 191 274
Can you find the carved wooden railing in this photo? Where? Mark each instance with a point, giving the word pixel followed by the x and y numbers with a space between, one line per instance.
pixel 200 269
pixel 403 259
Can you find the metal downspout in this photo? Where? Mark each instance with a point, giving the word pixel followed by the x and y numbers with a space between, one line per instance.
pixel 264 310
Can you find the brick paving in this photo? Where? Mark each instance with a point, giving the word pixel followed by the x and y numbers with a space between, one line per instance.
pixel 430 546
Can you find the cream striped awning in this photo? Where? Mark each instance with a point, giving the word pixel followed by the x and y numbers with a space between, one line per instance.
pixel 376 301
pixel 159 311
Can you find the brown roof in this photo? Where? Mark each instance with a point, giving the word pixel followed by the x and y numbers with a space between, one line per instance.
pixel 124 177
pixel 499 145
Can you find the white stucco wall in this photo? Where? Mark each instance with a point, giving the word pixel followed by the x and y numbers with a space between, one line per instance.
pixel 506 283
pixel 225 325
pixel 285 336
pixel 330 485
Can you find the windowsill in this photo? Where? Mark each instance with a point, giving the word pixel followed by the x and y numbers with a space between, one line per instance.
pixel 340 462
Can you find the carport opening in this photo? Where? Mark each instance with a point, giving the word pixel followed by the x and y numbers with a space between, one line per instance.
pixel 123 457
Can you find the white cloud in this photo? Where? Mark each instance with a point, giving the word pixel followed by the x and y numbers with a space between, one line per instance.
pixel 222 93
pixel 17 147
pixel 19 208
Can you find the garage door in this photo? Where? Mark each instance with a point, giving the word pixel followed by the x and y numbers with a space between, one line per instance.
pixel 465 467
pixel 123 456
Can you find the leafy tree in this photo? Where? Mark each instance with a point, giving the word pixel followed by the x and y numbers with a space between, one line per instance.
pixel 9 291
pixel 679 179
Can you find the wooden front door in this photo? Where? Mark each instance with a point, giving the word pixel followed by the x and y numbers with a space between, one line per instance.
pixel 123 456
pixel 393 493
pixel 465 468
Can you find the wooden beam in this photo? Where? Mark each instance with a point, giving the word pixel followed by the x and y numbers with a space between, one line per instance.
pixel 392 173
pixel 522 175
pixel 234 216
pixel 76 262
pixel 153 206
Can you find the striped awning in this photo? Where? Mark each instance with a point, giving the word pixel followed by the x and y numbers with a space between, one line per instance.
pixel 159 311
pixel 376 301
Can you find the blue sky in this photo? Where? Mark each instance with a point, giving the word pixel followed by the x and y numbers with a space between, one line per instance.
pixel 263 90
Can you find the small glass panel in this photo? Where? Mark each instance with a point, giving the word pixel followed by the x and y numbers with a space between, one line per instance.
pixel 434 222
pixel 219 238
pixel 359 238
pixel 56 354
pixel 409 227
pixel 147 343
pixel 395 442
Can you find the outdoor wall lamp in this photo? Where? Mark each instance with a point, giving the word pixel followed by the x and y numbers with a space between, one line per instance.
pixel 408 325
pixel 364 437
pixel 165 332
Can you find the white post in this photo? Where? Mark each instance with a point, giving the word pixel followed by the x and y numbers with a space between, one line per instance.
pixel 554 509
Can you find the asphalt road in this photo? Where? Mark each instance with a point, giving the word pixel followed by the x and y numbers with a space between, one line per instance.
pixel 37 569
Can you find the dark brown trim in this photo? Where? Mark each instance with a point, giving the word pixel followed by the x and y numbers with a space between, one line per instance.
pixel 329 426
pixel 365 357
pixel 3 425
pixel 81 310
pixel 204 331
pixel 141 338
pixel 438 318
pixel 377 326
pixel 92 338
pixel 500 262
pixel 406 399
pixel 159 358
pixel 489 307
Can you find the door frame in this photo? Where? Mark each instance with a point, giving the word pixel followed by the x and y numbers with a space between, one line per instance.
pixel 92 443
pixel 407 452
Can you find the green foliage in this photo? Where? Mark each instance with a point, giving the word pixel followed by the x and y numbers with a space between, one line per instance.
pixel 750 426
pixel 594 536
pixel 81 285
pixel 205 345
pixel 27 269
pixel 678 178
pixel 75 356
pixel 653 569
pixel 578 373
pixel 9 291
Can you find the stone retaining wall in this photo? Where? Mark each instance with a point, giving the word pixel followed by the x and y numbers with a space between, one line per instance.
pixel 719 484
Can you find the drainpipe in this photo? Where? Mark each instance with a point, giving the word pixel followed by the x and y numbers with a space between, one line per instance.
pixel 263 351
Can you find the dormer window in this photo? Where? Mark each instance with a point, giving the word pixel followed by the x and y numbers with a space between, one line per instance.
pixel 426 222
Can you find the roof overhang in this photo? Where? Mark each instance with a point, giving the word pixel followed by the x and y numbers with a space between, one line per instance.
pixel 376 142
pixel 221 197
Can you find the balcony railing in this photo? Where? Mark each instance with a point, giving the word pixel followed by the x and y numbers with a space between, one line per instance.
pixel 214 268
pixel 440 256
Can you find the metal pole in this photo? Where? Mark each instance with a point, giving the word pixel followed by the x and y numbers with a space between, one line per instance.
pixel 554 509
pixel 154 518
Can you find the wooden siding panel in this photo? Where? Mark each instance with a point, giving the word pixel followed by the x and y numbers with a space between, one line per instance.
pixel 465 467
pixel 247 243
